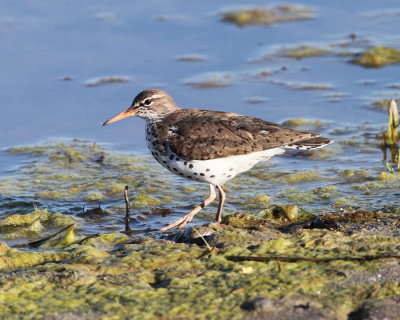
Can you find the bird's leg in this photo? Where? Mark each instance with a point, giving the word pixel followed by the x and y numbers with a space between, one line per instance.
pixel 220 204
pixel 187 218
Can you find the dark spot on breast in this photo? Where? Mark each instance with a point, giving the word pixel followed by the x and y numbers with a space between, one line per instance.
pixel 202 174
pixel 207 170
pixel 190 166
pixel 177 159
pixel 229 176
pixel 154 143
pixel 164 162
pixel 171 157
pixel 195 173
pixel 185 163
pixel 212 176
pixel 180 173
pixel 231 169
pixel 175 169
pixel 291 140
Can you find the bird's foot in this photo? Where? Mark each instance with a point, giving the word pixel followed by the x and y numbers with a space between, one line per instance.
pixel 186 219
pixel 181 222
pixel 217 220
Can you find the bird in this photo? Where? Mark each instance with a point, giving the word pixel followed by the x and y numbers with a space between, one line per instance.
pixel 210 146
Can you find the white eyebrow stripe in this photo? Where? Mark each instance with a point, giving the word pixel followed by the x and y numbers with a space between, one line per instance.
pixel 155 96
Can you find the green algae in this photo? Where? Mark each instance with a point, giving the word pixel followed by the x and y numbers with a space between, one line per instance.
pixel 210 80
pixel 312 175
pixel 303 85
pixel 36 223
pixel 143 201
pixel 21 220
pixel 304 51
pixel 303 124
pixel 106 80
pixel 389 177
pixel 12 258
pixel 259 200
pixel 79 171
pixel 324 154
pixel 267 16
pixel 112 276
pixel 94 196
pixel 325 193
pixel 116 189
pixel 242 219
pixel 378 57
pixel 294 123
pixel 61 239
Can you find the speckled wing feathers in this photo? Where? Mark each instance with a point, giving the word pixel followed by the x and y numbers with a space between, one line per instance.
pixel 202 134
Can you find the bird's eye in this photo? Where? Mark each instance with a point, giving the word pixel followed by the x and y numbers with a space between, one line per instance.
pixel 147 102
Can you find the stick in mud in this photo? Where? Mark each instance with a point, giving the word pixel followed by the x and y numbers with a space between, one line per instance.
pixel 128 210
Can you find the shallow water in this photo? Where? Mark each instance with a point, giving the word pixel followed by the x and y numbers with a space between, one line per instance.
pixel 47 43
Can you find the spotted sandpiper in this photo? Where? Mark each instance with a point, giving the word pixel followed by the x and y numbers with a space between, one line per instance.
pixel 210 146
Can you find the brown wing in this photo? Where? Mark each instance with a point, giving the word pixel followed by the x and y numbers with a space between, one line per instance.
pixel 203 134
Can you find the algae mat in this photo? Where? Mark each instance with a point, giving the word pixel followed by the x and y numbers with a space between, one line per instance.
pixel 115 276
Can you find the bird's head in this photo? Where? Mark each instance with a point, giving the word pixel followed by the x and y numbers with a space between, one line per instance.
pixel 151 105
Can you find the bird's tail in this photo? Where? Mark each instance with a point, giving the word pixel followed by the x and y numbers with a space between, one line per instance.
pixel 308 144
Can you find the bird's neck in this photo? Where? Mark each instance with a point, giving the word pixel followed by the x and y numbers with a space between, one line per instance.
pixel 161 115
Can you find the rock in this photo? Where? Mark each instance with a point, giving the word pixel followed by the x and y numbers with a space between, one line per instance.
pixel 260 304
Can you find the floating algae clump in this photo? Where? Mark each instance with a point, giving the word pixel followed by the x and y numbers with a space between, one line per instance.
pixel 304 52
pixel 295 123
pixel 21 220
pixel 267 16
pixel 378 57
pixel 34 224
pixel 312 175
pixel 210 80
pixel 143 201
pixel 94 196
pixel 13 258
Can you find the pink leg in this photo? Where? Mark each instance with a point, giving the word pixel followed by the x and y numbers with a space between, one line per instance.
pixel 187 218
pixel 220 204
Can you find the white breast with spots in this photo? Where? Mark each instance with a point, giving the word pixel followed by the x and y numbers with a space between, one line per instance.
pixel 214 171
